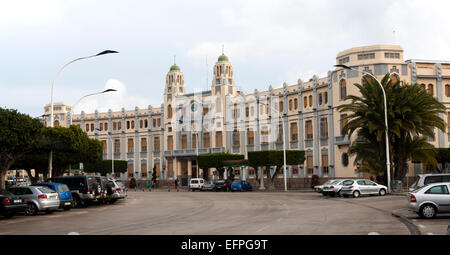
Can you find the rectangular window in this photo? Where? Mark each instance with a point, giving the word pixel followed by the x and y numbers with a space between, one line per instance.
pixel 294 132
pixel 366 56
pixel 280 134
pixel 194 141
pixel 206 140
pixel 130 146
pixel 106 126
pixel 309 165
pixel 116 146
pixel 219 139
pixel 158 170
pixel 344 60
pixel 114 125
pixel 309 130
pixel 391 55
pixel 325 164
pixel 144 169
pixel 119 125
pixel 156 144
pixel 143 144
pixel 184 142
pixel 250 137
pixel 170 143
pixel 323 128
pixel 236 137
pixel 130 170
pixel 265 135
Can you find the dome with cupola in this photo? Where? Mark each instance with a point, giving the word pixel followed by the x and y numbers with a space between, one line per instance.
pixel 175 68
pixel 223 58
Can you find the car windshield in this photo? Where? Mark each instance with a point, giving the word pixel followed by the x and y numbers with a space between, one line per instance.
pixel 336 182
pixel 328 182
pixel 220 182
pixel 194 181
pixel 119 183
pixel 46 190
pixel 5 193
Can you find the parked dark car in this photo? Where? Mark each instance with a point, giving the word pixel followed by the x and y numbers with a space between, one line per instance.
pixel 241 185
pixel 65 195
pixel 85 189
pixel 223 185
pixel 102 197
pixel 11 204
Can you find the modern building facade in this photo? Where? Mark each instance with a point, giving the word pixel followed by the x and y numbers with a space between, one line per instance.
pixel 225 119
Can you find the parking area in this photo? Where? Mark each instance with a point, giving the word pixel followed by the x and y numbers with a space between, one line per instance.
pixel 186 213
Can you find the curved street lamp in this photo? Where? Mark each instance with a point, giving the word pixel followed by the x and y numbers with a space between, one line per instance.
pixel 50 167
pixel 92 94
pixel 388 163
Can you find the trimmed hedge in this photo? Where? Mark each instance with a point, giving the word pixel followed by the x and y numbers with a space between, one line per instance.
pixel 275 158
pixel 215 160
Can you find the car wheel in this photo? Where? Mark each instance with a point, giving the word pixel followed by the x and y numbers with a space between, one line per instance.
pixel 382 192
pixel 31 210
pixel 339 194
pixel 428 211
pixel 76 202
pixel 356 194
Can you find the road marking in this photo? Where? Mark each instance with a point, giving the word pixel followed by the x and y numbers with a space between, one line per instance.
pixel 373 234
pixel 261 229
pixel 430 234
pixel 73 233
pixel 420 225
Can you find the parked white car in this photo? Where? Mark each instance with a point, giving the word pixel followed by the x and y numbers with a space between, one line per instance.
pixel 425 179
pixel 430 200
pixel 360 187
pixel 196 184
pixel 319 188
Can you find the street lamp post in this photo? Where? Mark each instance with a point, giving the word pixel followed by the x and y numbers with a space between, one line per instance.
pixel 388 164
pixel 50 167
pixel 97 93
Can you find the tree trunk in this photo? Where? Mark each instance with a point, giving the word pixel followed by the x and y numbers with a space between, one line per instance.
pixel 3 173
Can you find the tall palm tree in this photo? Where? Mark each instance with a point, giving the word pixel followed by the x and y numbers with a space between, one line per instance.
pixel 412 112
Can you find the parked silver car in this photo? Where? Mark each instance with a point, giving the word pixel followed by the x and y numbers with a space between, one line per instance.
pixel 425 179
pixel 115 190
pixel 360 187
pixel 319 188
pixel 430 200
pixel 333 188
pixel 39 198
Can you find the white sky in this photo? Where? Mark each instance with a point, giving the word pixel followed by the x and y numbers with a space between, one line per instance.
pixel 268 43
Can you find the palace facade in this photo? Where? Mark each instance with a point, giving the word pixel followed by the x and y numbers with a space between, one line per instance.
pixel 225 119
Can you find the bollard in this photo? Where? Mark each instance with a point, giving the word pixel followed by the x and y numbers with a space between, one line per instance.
pixel 134 188
pixel 150 188
pixel 178 188
pixel 143 188
pixel 168 188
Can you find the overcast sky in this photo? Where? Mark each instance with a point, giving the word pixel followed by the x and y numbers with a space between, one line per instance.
pixel 268 43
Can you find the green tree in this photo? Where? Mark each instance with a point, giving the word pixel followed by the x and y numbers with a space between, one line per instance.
pixel 19 133
pixel 275 158
pixel 442 157
pixel 105 166
pixel 412 112
pixel 216 160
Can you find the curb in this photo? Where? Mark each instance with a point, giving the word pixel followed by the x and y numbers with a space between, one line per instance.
pixel 413 229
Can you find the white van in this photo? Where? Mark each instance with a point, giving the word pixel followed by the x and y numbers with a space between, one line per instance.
pixel 196 184
pixel 425 179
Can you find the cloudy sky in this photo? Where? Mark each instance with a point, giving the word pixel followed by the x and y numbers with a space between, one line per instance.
pixel 268 43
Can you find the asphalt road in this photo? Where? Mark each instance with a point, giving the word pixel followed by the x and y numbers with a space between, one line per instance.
pixel 248 213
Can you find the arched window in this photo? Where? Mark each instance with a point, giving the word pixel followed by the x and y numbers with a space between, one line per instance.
pixel 295 103
pixel 132 124
pixel 290 105
pixel 169 111
pixel 310 101
pixel 281 106
pixel 430 89
pixel 128 124
pixel 56 123
pixel 343 89
pixel 447 90
pixel 325 97
pixel 305 102
pixel 145 123
pixel 422 86
pixel 106 126
pixel 87 127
